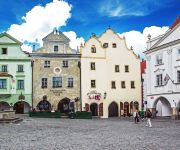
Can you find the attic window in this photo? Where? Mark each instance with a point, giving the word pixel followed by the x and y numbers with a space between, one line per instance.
pixel 93 49
pixel 114 45
pixel 4 51
pixel 55 48
pixel 105 45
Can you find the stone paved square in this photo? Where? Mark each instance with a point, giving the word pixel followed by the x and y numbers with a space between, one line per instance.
pixel 95 134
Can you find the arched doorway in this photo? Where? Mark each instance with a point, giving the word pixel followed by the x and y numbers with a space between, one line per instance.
pixel 44 105
pixel 101 109
pixel 163 107
pixel 131 107
pixel 94 109
pixel 4 106
pixel 21 107
pixel 126 109
pixel 121 108
pixel 64 105
pixel 136 105
pixel 113 110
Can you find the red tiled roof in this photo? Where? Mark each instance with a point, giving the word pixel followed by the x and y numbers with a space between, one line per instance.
pixel 175 23
pixel 3 74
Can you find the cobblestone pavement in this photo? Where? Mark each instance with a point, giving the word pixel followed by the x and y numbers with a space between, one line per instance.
pixel 95 134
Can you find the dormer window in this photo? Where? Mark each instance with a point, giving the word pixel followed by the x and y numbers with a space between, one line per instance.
pixel 114 45
pixel 4 51
pixel 93 49
pixel 159 59
pixel 55 48
pixel 105 45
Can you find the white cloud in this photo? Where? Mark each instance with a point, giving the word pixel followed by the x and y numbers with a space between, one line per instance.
pixel 116 8
pixel 138 39
pixel 41 20
pixel 75 41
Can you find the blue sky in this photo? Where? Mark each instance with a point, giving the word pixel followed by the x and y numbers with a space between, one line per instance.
pixel 92 16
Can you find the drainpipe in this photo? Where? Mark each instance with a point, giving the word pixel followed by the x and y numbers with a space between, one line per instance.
pixel 32 65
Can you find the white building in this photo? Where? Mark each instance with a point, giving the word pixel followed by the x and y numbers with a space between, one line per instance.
pixel 163 72
pixel 110 78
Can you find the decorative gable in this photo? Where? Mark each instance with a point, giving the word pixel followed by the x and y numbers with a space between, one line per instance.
pixel 8 39
pixel 56 36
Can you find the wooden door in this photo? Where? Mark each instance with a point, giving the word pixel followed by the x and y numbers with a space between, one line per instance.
pixel 101 109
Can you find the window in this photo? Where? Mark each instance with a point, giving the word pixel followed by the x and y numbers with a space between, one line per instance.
pixel 178 76
pixel 132 84
pixel 159 59
pixel 70 82
pixel 159 79
pixel 93 49
pixel 105 45
pixel 123 85
pixel 57 82
pixel 65 63
pixel 93 66
pixel 55 48
pixel 114 45
pixel 178 53
pixel 46 64
pixel 4 51
pixel 4 68
pixel 44 83
pixel 3 84
pixel 20 68
pixel 20 84
pixel 126 68
pixel 93 83
pixel 116 68
pixel 113 84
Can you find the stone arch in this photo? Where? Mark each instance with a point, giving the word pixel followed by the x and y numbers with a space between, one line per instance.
pixel 22 107
pixel 113 109
pixel 64 105
pixel 44 105
pixel 121 108
pixel 94 109
pixel 4 106
pixel 126 109
pixel 101 109
pixel 162 107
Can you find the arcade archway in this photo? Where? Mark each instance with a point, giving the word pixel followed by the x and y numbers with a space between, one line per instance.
pixel 94 109
pixel 21 107
pixel 162 107
pixel 44 105
pixel 4 106
pixel 64 105
pixel 113 110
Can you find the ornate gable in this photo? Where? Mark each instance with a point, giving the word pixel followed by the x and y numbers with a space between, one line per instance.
pixel 57 36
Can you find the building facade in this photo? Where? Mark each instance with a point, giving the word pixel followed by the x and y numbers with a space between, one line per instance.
pixel 110 79
pixel 56 75
pixel 15 75
pixel 163 72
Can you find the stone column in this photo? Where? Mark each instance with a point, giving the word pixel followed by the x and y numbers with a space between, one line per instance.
pixel 174 113
pixel 105 109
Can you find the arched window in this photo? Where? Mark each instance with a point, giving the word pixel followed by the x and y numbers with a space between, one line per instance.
pixel 93 49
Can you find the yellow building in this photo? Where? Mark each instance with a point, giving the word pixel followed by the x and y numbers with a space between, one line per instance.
pixel 110 78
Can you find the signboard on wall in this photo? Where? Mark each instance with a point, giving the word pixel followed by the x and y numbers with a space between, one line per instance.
pixel 94 95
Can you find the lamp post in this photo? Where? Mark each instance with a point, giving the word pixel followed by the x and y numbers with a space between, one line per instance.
pixel 105 94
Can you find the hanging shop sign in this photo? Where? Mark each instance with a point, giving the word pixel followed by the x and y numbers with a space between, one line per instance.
pixel 94 95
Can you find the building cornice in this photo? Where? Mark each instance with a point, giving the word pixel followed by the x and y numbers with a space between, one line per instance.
pixel 53 55
pixel 163 46
pixel 168 93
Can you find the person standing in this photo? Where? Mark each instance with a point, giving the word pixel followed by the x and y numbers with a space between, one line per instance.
pixel 135 115
pixel 148 116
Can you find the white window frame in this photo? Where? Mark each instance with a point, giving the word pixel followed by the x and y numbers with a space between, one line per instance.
pixel 159 59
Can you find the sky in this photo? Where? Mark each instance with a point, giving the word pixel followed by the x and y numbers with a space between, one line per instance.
pixel 31 20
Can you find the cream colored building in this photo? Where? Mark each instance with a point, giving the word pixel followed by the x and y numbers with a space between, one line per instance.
pixel 110 78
